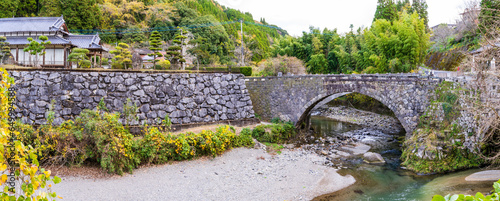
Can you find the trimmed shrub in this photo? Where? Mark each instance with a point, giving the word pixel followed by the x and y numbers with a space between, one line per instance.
pixel 275 133
pixel 247 71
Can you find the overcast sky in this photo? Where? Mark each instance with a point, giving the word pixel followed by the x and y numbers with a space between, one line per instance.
pixel 296 16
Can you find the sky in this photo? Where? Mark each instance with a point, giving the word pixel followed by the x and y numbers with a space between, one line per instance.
pixel 296 16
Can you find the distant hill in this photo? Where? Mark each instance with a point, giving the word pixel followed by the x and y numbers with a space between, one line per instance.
pixel 132 21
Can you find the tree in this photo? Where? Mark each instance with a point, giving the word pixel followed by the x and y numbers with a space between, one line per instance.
pixel 50 8
pixel 487 16
pixel 155 43
pixel 175 51
pixel 8 8
pixel 200 51
pixel 405 39
pixel 386 9
pixel 36 48
pixel 122 56
pixel 81 15
pixel 420 6
pixel 79 56
pixel 4 49
pixel 317 64
pixel 27 8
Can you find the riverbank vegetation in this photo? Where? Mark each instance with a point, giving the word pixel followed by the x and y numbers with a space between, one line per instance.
pixel 98 137
pixel 443 141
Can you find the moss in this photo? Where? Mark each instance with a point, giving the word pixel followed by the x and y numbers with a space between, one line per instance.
pixel 441 135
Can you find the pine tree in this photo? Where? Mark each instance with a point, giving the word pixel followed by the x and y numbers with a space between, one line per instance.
pixel 175 52
pixel 36 48
pixel 4 49
pixel 79 56
pixel 155 43
pixel 122 56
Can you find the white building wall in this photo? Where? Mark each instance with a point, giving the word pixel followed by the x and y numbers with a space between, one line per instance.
pixel 52 57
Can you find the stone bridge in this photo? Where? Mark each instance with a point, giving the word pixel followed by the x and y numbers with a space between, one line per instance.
pixel 293 97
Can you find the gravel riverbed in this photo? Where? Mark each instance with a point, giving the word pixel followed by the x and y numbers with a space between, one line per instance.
pixel 239 174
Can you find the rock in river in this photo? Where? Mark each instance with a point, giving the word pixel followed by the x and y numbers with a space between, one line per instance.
pixel 373 158
pixel 489 175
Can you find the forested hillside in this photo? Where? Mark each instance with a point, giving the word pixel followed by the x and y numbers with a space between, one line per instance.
pixel 397 41
pixel 215 27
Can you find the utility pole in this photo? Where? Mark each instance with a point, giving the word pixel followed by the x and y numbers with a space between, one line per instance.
pixel 242 49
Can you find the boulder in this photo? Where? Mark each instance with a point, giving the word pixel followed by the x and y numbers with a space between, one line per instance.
pixel 373 158
pixel 489 175
pixel 356 149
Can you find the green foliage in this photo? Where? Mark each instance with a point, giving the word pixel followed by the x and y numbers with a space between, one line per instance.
pixel 122 58
pixel 275 133
pixel 389 46
pixel 4 49
pixel 159 147
pixel 317 64
pixel 488 15
pixel 163 65
pixel 386 9
pixel 98 136
pixel 247 71
pixel 36 48
pixel 155 43
pixel 495 196
pixel 283 64
pixel 174 52
pixel 79 56
pixel 81 15
pixel 130 112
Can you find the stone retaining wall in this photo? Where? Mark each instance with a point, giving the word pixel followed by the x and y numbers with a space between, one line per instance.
pixel 186 98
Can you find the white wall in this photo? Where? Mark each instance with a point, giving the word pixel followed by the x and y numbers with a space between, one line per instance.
pixel 52 57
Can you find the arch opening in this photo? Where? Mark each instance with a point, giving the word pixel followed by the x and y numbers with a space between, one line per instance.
pixel 321 100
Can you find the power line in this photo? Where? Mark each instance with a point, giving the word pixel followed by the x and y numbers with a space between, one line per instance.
pixel 163 29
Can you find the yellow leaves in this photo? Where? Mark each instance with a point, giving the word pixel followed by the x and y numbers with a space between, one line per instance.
pixel 47 173
pixel 3 167
pixel 3 179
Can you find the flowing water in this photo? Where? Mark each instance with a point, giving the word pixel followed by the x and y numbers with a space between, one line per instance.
pixel 390 182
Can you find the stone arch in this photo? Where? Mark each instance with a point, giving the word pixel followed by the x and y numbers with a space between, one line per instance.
pixel 319 100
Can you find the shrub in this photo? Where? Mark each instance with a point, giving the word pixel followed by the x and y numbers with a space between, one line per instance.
pixel 275 133
pixel 109 142
pixel 153 146
pixel 244 139
pixel 282 64
pixel 163 65
pixel 95 135
pixel 247 71
pixel 160 146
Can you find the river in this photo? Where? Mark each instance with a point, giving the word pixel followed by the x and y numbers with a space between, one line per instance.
pixel 390 181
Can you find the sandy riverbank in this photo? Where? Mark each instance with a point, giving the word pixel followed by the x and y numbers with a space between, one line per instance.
pixel 240 174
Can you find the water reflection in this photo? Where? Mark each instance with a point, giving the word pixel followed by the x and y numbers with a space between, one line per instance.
pixel 390 182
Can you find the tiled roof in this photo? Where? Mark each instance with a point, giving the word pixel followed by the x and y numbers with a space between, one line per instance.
pixel 86 41
pixel 23 40
pixel 26 24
